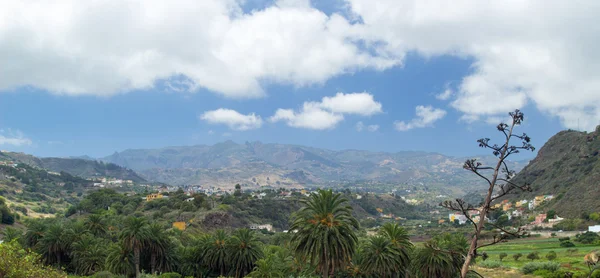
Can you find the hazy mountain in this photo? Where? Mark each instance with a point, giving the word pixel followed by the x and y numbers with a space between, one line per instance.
pixel 568 166
pixel 227 163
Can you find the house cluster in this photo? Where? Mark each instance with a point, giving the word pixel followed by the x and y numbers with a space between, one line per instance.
pixel 111 182
pixel 462 218
pixel 267 227
pixel 9 164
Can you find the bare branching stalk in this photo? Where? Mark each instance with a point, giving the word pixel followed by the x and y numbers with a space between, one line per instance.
pixel 501 176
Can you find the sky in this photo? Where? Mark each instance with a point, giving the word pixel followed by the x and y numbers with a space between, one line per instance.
pixel 95 77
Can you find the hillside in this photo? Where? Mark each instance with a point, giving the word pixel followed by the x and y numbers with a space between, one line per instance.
pixel 74 166
pixel 256 164
pixel 568 166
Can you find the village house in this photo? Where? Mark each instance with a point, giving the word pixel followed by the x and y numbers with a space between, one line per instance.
pixel 457 216
pixel 267 227
pixel 154 196
pixel 539 219
pixel 594 229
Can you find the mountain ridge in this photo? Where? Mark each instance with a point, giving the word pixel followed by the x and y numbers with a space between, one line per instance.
pixel 257 163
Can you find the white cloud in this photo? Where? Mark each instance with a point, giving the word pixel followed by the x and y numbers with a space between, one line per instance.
pixel 108 47
pixel 426 116
pixel 360 126
pixel 233 119
pixel 226 134
pixel 445 95
pixel 355 103
pixel 524 52
pixel 14 137
pixel 310 116
pixel 210 132
pixel 327 113
pixel 373 128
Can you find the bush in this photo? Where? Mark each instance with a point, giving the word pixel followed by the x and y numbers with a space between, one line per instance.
pixel 502 256
pixel 587 237
pixel 517 256
pixel 104 274
pixel 567 244
pixel 484 256
pixel 170 275
pixel 18 263
pixel 551 255
pixel 530 268
pixel 561 239
pixel 533 256
pixel 490 264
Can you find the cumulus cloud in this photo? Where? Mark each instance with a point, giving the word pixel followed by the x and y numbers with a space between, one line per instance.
pixel 327 113
pixel 310 117
pixel 445 95
pixel 14 137
pixel 373 128
pixel 354 103
pixel 426 116
pixel 108 47
pixel 233 119
pixel 360 126
pixel 519 59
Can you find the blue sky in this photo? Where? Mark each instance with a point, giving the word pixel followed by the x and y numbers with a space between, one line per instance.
pixel 104 93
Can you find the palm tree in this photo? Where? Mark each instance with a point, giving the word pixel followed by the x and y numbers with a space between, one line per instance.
pixel 325 232
pixel 157 244
pixel 119 260
pixel 244 250
pixel 400 241
pixel 381 258
pixel 267 268
pixel 89 255
pixel 11 234
pixel 95 224
pixel 442 256
pixel 35 232
pixel 54 244
pixel 215 251
pixel 133 237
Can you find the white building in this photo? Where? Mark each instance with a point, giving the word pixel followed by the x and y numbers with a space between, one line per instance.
pixel 595 229
pixel 267 227
pixel 457 216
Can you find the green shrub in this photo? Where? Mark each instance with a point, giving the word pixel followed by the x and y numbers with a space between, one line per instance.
pixel 530 268
pixel 490 264
pixel 561 239
pixel 533 256
pixel 502 256
pixel 104 274
pixel 551 255
pixel 517 256
pixel 567 244
pixel 587 237
pixel 170 275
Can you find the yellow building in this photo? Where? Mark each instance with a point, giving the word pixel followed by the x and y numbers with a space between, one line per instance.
pixel 506 207
pixel 179 225
pixel 153 196
pixel 497 206
pixel 518 204
pixel 441 221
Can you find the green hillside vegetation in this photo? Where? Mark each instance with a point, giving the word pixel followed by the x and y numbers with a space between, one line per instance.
pixel 75 166
pixel 34 192
pixel 568 166
pixel 326 242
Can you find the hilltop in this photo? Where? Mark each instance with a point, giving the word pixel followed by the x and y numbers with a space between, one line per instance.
pixel 257 164
pixel 567 166
pixel 85 168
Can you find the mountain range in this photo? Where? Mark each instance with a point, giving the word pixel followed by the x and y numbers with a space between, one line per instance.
pixel 255 164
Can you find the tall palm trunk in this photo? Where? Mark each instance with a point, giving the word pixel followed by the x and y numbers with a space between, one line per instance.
pixel 153 262
pixel 136 258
